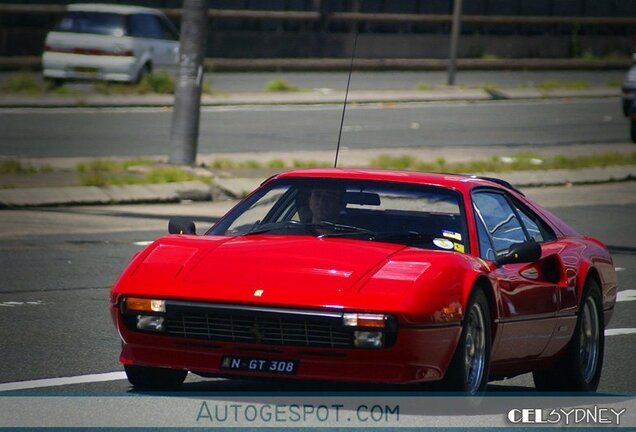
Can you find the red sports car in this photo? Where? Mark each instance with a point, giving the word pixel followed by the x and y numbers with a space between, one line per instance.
pixel 370 276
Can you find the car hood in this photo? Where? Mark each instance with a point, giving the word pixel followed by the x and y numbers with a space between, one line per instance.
pixel 281 270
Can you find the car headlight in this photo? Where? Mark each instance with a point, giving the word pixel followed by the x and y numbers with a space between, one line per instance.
pixel 146 313
pixel 368 339
pixel 150 323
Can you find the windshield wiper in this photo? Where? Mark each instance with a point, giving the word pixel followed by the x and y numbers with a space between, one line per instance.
pixel 341 229
pixel 260 229
pixel 405 237
pixel 400 237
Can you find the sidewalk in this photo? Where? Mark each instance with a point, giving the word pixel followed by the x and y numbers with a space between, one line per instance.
pixel 301 97
pixel 236 183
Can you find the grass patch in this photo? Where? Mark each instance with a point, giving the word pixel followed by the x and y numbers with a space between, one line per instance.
pixel 280 85
pixel 7 186
pixel 115 173
pixel 424 86
pixel 299 163
pixel 488 56
pixel 276 164
pixel 23 83
pixel 496 164
pixel 116 166
pixel 615 83
pixel 548 85
pixel 159 82
pixel 14 166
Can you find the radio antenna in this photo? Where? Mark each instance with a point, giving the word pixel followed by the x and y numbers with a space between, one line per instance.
pixel 344 107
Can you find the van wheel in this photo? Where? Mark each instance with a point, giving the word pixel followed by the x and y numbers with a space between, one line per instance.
pixel 143 73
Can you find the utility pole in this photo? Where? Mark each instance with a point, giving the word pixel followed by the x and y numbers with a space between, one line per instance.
pixel 184 131
pixel 455 30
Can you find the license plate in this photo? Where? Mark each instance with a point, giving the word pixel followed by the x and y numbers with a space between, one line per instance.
pixel 86 70
pixel 259 365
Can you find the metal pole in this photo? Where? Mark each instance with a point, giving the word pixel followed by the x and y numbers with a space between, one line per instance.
pixel 184 131
pixel 452 59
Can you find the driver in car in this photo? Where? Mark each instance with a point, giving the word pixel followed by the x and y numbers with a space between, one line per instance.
pixel 325 204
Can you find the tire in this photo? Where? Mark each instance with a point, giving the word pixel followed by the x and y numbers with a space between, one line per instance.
pixel 143 73
pixel 633 131
pixel 145 377
pixel 468 370
pixel 627 104
pixel 579 369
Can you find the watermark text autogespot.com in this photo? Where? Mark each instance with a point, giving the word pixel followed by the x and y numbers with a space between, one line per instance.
pixel 566 416
pixel 242 413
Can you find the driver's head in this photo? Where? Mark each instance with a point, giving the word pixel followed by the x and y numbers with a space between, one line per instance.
pixel 325 203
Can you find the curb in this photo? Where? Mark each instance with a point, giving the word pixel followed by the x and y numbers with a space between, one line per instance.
pixel 224 189
pixel 369 64
pixel 305 98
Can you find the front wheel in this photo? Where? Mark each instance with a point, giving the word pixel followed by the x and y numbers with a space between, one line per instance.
pixel 468 371
pixel 145 377
pixel 580 367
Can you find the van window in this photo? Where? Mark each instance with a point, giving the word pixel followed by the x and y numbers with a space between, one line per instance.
pixel 100 23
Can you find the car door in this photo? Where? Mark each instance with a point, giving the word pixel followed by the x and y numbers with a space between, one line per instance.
pixel 147 30
pixel 528 304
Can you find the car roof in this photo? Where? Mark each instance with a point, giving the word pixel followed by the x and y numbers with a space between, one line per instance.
pixel 459 182
pixel 119 9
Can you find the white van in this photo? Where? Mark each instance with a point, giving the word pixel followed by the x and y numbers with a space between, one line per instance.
pixel 110 42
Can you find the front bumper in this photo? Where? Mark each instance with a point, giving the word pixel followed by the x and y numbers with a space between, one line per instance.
pixel 81 66
pixel 418 354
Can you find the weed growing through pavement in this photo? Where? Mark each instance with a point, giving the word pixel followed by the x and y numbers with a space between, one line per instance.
pixel 280 85
pixel 499 164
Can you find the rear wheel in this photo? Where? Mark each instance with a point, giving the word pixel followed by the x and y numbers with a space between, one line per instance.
pixel 633 130
pixel 143 73
pixel 468 371
pixel 145 377
pixel 580 367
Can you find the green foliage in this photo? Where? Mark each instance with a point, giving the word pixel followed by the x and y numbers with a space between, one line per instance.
pixel 276 164
pixel 107 165
pixel 14 166
pixel 7 186
pixel 496 164
pixel 159 82
pixel 424 86
pixel 548 85
pixel 280 85
pixel 24 83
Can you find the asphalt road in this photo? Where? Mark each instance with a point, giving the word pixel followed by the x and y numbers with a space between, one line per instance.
pixel 58 265
pixel 139 132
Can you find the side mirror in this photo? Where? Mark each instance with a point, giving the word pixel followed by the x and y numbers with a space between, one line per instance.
pixel 521 253
pixel 179 225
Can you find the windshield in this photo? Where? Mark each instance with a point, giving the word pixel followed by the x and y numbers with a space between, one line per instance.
pixel 100 23
pixel 418 215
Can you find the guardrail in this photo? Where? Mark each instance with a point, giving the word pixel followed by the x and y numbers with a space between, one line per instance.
pixel 43 9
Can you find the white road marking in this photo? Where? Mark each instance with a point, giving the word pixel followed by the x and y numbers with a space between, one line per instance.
pixel 143 243
pixel 16 303
pixel 54 382
pixel 627 295
pixel 620 331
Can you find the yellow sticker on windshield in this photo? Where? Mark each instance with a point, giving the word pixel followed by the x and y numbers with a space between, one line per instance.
pixel 452 235
pixel 458 247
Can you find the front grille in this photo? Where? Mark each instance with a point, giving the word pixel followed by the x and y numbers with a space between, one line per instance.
pixel 257 327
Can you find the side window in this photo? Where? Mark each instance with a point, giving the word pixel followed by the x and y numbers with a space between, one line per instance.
pixel 144 25
pixel 168 32
pixel 485 246
pixel 501 221
pixel 537 228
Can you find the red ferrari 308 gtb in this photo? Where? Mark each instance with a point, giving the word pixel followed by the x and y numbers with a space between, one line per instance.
pixel 370 276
